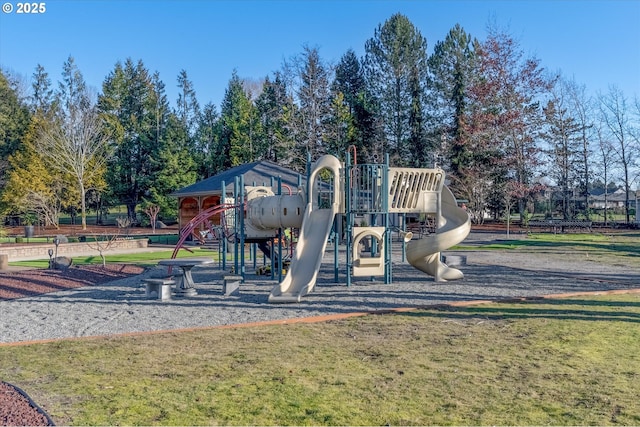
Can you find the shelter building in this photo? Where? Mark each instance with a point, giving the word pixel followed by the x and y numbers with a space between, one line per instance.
pixel 207 193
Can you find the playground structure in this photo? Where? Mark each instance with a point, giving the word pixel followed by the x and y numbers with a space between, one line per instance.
pixel 335 195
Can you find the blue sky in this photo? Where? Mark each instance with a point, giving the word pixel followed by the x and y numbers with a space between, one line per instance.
pixel 595 42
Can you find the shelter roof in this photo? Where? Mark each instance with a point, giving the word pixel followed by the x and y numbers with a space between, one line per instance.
pixel 259 173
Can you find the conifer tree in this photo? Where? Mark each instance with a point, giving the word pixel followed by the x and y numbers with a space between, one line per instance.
pixel 563 138
pixel 350 82
pixel 396 50
pixel 274 109
pixel 237 118
pixel 207 139
pixel 14 122
pixel 188 109
pixel 135 115
pixel 450 73
pixel 314 106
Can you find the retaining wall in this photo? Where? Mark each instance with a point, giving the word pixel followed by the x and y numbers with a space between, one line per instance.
pixel 41 250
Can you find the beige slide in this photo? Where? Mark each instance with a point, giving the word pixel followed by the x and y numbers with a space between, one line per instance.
pixel 314 233
pixel 454 226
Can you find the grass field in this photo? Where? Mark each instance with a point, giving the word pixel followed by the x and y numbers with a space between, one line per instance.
pixel 555 362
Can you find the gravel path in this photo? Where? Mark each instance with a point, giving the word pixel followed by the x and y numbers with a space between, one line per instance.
pixel 121 307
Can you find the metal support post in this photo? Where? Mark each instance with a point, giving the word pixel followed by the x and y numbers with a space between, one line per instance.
pixel 223 222
pixel 404 230
pixel 335 247
pixel 236 221
pixel 242 269
pixel 388 266
pixel 349 216
pixel 279 236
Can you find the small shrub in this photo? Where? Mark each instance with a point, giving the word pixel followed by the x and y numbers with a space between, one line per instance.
pixel 19 239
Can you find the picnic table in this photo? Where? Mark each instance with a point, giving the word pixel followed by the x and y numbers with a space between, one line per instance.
pixel 556 225
pixel 186 287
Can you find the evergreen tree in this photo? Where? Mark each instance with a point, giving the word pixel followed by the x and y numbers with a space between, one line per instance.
pixel 351 83
pixel 207 139
pixel 42 98
pixel 314 102
pixel 450 72
pixel 174 168
pixel 32 185
pixel 340 130
pixel 72 96
pixel 562 135
pixel 14 122
pixel 396 50
pixel 237 120
pixel 134 113
pixel 417 150
pixel 583 111
pixel 274 108
pixel 188 109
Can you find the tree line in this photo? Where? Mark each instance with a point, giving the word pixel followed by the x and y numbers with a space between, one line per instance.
pixel 502 126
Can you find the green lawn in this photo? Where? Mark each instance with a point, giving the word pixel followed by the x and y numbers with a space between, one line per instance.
pixel 555 362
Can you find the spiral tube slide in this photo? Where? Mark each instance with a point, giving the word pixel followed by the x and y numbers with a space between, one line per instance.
pixel 454 227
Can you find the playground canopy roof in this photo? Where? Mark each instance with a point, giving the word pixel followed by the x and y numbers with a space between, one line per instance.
pixel 259 173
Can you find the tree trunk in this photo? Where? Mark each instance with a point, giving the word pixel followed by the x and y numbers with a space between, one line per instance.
pixel 83 206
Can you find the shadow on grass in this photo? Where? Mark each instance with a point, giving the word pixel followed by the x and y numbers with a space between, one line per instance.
pixel 561 309
pixel 588 242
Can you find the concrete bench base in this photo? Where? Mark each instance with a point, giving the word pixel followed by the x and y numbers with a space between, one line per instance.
pixel 158 288
pixel 454 260
pixel 231 285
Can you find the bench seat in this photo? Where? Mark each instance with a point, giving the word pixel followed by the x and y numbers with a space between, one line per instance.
pixel 158 288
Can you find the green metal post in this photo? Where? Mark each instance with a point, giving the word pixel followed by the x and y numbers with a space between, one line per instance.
pixel 236 221
pixel 242 270
pixel 335 248
pixel 349 215
pixel 280 236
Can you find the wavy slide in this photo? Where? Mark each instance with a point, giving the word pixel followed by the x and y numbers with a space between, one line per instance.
pixel 312 242
pixel 454 227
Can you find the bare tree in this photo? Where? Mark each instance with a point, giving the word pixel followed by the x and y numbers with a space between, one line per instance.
pixel 102 244
pixel 617 118
pixel 152 212
pixel 46 204
pixel 77 147
pixel 605 162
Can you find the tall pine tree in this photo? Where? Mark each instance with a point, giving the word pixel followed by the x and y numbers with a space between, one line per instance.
pixel 134 112
pixel 237 120
pixel 396 71
pixel 450 71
